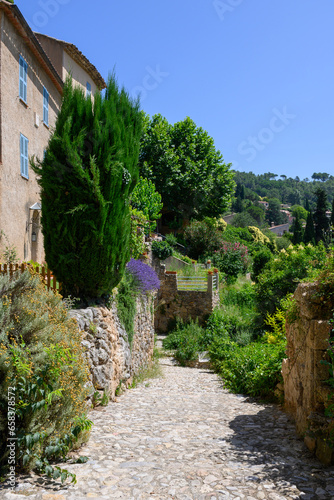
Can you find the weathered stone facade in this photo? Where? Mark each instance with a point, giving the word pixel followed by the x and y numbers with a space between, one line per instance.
pixel 111 359
pixel 19 193
pixel 172 303
pixel 23 119
pixel 304 374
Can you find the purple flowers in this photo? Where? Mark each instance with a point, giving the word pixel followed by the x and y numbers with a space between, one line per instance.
pixel 145 277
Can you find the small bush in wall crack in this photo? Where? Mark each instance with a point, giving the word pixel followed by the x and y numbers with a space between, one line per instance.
pixel 138 279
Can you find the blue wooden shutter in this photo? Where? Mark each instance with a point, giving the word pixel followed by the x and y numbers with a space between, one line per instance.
pixel 24 156
pixel 88 89
pixel 23 79
pixel 45 106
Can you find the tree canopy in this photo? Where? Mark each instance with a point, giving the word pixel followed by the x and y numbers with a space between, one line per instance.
pixel 187 170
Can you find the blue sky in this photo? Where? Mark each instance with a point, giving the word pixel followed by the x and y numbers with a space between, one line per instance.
pixel 257 75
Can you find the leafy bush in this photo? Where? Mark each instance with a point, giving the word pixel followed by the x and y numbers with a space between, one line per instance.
pixel 283 273
pixel 202 238
pixel 254 369
pixel 138 227
pixel 187 340
pixel 161 249
pixel 147 200
pixel 231 259
pixel 171 240
pixel 276 324
pixel 260 259
pixel 41 356
pixel 237 314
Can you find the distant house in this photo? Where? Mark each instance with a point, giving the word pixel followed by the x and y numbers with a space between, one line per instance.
pixel 265 204
pixel 31 86
pixel 289 216
pixel 281 229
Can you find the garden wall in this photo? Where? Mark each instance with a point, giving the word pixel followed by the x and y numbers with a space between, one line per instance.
pixel 172 303
pixel 106 344
pixel 304 374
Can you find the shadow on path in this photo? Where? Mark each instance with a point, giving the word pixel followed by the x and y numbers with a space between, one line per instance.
pixel 267 440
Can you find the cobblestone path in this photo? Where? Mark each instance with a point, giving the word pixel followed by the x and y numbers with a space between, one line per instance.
pixel 185 437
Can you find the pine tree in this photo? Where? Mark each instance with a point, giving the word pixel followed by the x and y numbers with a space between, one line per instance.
pixel 321 221
pixel 309 233
pixel 332 215
pixel 86 177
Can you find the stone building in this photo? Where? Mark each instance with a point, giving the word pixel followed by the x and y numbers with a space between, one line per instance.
pixel 32 72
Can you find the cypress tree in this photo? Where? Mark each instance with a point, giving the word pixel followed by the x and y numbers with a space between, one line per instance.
pixel 309 233
pixel 86 177
pixel 238 207
pixel 297 231
pixel 321 221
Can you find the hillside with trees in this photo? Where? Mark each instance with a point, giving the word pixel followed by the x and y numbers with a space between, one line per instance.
pixel 286 189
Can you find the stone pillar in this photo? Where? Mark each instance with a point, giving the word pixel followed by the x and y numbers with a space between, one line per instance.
pixel 210 284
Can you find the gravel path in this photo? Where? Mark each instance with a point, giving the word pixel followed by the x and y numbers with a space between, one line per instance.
pixel 185 437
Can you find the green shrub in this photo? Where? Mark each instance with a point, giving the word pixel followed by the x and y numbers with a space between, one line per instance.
pixel 161 249
pixel 187 340
pixel 241 294
pixel 260 259
pixel 276 324
pixel 254 369
pixel 41 356
pixel 283 273
pixel 171 240
pixel 202 238
pixel 236 316
pixel 147 200
pixel 138 227
pixel 231 259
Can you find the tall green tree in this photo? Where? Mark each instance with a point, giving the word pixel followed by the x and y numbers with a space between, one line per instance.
pixel 298 231
pixel 274 213
pixel 321 221
pixel 309 233
pixel 86 177
pixel 187 170
pixel 332 214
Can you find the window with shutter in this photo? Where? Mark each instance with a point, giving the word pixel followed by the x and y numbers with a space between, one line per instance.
pixel 24 156
pixel 23 79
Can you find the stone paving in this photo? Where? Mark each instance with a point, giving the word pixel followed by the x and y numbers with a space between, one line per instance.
pixel 185 437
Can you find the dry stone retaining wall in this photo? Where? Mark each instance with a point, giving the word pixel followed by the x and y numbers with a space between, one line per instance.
pixel 304 374
pixel 111 359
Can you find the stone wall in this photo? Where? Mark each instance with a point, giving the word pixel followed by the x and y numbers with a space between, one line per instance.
pixel 111 359
pixel 172 303
pixel 304 374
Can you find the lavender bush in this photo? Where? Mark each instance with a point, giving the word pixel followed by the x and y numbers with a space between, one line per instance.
pixel 145 277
